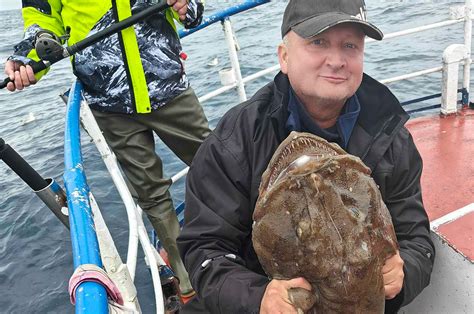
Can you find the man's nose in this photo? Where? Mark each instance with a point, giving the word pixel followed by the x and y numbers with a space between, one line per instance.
pixel 335 59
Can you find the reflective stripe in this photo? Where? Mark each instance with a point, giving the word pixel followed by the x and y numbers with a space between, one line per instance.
pixel 132 54
pixel 171 15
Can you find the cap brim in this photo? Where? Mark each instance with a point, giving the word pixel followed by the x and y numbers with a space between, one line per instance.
pixel 318 24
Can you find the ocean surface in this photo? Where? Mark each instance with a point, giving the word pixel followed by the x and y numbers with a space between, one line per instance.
pixel 35 249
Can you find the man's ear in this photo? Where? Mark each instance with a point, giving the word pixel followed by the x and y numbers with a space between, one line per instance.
pixel 283 57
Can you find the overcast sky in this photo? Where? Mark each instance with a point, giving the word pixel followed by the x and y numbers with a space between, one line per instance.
pixel 10 4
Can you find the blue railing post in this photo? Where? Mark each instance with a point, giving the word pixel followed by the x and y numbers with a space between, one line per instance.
pixel 91 297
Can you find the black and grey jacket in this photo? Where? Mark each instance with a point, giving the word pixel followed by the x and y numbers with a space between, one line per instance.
pixel 103 68
pixel 222 189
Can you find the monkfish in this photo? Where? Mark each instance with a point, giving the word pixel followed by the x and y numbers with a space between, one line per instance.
pixel 320 216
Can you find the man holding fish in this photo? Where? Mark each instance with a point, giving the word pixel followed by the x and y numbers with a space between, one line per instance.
pixel 321 90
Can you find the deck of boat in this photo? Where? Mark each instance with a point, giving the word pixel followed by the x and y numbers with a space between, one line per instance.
pixel 446 144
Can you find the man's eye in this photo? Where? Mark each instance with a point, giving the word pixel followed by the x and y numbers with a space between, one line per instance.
pixel 351 46
pixel 317 42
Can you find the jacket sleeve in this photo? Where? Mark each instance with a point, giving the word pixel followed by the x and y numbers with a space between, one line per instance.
pixel 411 223
pixel 37 15
pixel 194 13
pixel 218 225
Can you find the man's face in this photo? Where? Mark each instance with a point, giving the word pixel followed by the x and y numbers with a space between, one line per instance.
pixel 325 69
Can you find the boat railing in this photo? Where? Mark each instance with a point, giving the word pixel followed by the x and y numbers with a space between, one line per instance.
pixel 223 15
pixel 91 240
pixel 85 247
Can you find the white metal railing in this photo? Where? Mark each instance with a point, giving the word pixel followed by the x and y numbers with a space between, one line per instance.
pixel 115 268
pixel 232 46
pixel 418 29
pixel 468 17
pixel 411 75
pixel 452 57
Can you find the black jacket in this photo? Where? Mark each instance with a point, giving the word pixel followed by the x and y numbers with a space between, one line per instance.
pixel 222 189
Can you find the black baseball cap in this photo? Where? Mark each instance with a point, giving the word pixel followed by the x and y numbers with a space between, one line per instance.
pixel 308 18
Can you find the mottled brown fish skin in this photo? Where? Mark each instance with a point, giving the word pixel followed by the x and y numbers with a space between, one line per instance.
pixel 324 220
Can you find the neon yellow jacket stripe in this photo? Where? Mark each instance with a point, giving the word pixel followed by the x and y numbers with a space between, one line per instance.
pixel 132 55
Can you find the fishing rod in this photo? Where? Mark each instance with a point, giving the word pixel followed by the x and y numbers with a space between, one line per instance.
pixel 50 50
pixel 47 189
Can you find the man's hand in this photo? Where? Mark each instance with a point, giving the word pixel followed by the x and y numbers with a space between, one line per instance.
pixel 276 300
pixel 21 76
pixel 393 276
pixel 180 6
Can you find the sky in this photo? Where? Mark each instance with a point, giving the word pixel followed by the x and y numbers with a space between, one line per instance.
pixel 10 4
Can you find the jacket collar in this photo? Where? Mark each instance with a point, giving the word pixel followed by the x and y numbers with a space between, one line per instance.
pixel 279 106
pixel 381 117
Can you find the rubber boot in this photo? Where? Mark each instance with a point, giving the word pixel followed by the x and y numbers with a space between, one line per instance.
pixel 167 229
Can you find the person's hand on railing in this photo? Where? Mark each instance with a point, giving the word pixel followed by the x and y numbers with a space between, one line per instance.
pixel 180 6
pixel 21 76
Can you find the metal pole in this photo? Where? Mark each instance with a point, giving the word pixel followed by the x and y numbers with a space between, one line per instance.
pixel 47 189
pixel 221 15
pixel 21 167
pixel 89 41
pixel 452 58
pixel 467 43
pixel 55 198
pixel 234 59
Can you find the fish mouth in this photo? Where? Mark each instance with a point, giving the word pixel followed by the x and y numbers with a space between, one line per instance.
pixel 295 151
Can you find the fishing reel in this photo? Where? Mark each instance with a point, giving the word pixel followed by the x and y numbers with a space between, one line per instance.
pixel 49 46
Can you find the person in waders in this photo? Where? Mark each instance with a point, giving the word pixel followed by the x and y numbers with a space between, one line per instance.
pixel 136 86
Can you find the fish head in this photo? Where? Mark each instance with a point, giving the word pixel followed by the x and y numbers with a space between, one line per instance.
pixel 320 215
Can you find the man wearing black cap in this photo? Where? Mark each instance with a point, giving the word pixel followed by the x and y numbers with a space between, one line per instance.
pixel 321 89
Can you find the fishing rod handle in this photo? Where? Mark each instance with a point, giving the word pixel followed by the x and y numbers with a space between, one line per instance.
pixel 37 67
pixel 21 167
pixel 89 41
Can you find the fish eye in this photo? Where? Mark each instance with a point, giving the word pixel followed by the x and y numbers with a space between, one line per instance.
pixel 355 212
